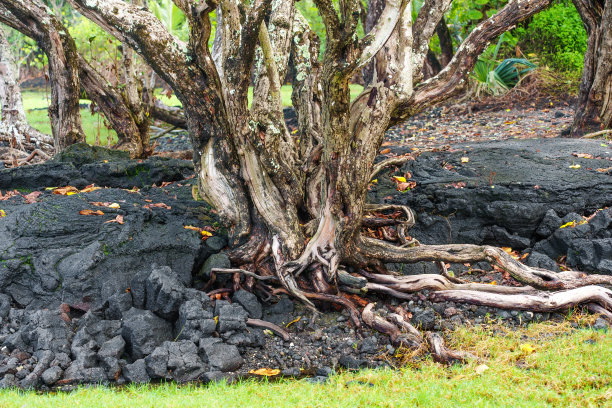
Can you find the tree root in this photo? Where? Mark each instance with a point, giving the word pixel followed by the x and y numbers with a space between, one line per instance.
pixel 539 302
pixel 444 355
pixel 270 326
pixel 404 334
pixel 461 253
pixel 392 161
pixel 402 224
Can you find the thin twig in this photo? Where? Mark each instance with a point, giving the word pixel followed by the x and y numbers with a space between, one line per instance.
pixel 244 272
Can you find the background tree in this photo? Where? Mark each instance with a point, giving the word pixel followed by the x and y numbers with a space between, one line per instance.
pixel 14 125
pixel 128 104
pixel 594 107
pixel 296 204
pixel 33 19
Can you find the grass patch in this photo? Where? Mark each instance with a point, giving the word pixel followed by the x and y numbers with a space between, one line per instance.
pixel 568 367
pixel 36 103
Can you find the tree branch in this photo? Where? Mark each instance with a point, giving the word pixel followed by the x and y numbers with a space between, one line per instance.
pixel 330 18
pixel 380 33
pixel 140 29
pixel 449 81
pixel 424 28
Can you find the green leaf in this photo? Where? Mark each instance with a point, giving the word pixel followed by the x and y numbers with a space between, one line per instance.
pixel 474 14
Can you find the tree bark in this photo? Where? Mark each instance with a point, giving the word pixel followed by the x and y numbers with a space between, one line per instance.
pixel 375 8
pixel 14 127
pixel 594 106
pixel 33 18
pixel 295 203
pixel 446 43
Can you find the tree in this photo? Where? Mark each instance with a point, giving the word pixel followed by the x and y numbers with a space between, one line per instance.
pixel 594 107
pixel 32 18
pixel 129 107
pixel 296 204
pixel 14 126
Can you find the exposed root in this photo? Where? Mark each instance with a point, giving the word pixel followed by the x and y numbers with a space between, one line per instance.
pixel 402 224
pixel 286 277
pixel 320 249
pixel 404 334
pixel 270 326
pixel 596 309
pixel 444 355
pixel 461 253
pixel 393 161
pixel 416 283
pixel 411 338
pixel 539 302
pixel 243 272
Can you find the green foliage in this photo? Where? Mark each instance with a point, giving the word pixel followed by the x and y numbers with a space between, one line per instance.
pixel 558 37
pixel 95 44
pixel 496 79
pixel 171 16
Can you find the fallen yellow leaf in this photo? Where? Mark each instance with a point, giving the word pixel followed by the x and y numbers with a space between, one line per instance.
pixel 568 224
pixel 574 166
pixel 2 213
pixel 265 371
pixel 400 179
pixel 206 233
pixel 66 190
pixel 527 348
pixel 465 159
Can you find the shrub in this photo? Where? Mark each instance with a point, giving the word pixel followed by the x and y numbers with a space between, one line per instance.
pixel 558 37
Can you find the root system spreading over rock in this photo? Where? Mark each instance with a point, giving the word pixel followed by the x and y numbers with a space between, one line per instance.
pixel 117 285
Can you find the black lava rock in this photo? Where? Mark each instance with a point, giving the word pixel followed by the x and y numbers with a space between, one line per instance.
pixel 143 331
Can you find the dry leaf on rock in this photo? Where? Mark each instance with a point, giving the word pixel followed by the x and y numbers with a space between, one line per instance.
pixel 68 190
pixel 118 219
pixel 91 212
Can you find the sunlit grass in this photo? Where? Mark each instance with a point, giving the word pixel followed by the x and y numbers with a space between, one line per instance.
pixel 569 367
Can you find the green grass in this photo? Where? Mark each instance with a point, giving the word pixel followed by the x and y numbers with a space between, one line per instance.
pixel 36 102
pixel 571 368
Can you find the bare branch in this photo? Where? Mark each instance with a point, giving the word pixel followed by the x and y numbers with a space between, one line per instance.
pixel 330 18
pixel 380 33
pixel 424 28
pixel 139 28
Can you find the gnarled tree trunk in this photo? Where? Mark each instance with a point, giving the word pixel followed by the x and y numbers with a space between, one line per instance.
pixel 35 20
pixel 296 203
pixel 594 106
